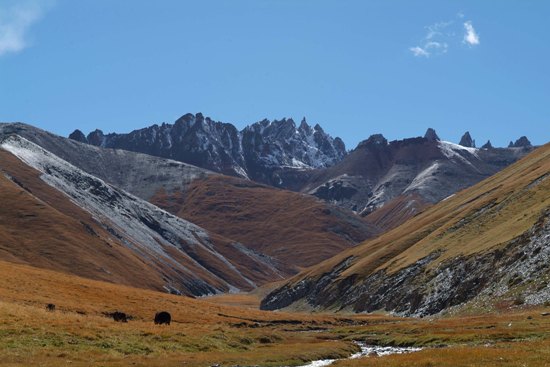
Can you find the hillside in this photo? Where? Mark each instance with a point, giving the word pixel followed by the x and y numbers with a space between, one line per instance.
pixel 298 230
pixel 140 174
pixel 99 226
pixel 258 216
pixel 420 171
pixel 484 245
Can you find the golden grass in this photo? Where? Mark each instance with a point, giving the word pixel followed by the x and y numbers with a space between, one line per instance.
pixel 201 332
pixel 299 230
pixel 208 331
pixel 462 225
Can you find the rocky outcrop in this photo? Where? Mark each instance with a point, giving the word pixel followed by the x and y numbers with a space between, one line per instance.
pixel 518 269
pixel 522 142
pixel 467 141
pixel 265 151
pixel 429 170
pixel 79 136
pixel 487 145
pixel 431 135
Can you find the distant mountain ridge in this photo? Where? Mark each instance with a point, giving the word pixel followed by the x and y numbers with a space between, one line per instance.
pixel 416 172
pixel 404 176
pixel 257 152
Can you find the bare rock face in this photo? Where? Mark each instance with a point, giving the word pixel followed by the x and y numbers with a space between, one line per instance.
pixel 487 145
pixel 431 135
pixel 467 141
pixel 265 151
pixel 522 142
pixel 78 136
pixel 378 172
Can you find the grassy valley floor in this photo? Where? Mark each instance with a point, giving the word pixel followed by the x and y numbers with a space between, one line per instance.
pixel 227 330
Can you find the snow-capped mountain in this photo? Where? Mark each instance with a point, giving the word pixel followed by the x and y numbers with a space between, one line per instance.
pixel 258 152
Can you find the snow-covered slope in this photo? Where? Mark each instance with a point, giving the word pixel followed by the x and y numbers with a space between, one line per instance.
pixel 188 255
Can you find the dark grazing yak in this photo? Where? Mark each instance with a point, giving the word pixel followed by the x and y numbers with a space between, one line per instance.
pixel 162 317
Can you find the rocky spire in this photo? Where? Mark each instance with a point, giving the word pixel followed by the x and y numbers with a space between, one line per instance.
pixel 487 145
pixel 431 135
pixel 78 136
pixel 467 141
pixel 520 143
pixel 96 137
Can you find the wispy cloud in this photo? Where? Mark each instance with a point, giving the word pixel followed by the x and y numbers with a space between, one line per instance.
pixel 441 36
pixel 15 21
pixel 470 37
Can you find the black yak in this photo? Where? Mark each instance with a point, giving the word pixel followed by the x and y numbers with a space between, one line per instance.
pixel 119 316
pixel 50 307
pixel 162 318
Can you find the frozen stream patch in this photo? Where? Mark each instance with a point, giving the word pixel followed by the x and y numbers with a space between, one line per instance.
pixel 366 351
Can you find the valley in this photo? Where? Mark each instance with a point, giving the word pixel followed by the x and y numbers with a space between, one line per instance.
pixel 258 275
pixel 206 333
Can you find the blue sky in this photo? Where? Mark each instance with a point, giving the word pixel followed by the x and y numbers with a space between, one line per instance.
pixel 355 67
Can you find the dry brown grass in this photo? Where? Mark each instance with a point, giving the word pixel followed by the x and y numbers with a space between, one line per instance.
pixel 205 333
pixel 297 229
pixel 201 332
pixel 459 225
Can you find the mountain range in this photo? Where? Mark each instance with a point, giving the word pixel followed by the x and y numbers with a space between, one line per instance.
pixel 198 207
pixel 404 176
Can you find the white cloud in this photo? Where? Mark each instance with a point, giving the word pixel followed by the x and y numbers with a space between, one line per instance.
pixel 419 51
pixel 15 22
pixel 470 37
pixel 428 48
pixel 441 36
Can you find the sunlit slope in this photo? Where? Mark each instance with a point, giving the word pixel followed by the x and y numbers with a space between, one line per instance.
pixel 447 255
pixel 173 255
pixel 296 229
pixel 64 237
pixel 80 333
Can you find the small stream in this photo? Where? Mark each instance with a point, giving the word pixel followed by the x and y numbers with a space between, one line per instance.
pixel 366 351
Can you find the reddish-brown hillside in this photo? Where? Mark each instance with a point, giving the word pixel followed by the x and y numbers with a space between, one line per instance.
pixel 297 229
pixel 51 232
pixel 42 226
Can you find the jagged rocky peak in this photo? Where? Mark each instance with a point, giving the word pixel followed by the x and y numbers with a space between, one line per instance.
pixel 78 136
pixel 522 142
pixel 375 140
pixel 487 145
pixel 431 135
pixel 254 152
pixel 304 126
pixel 96 137
pixel 467 141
